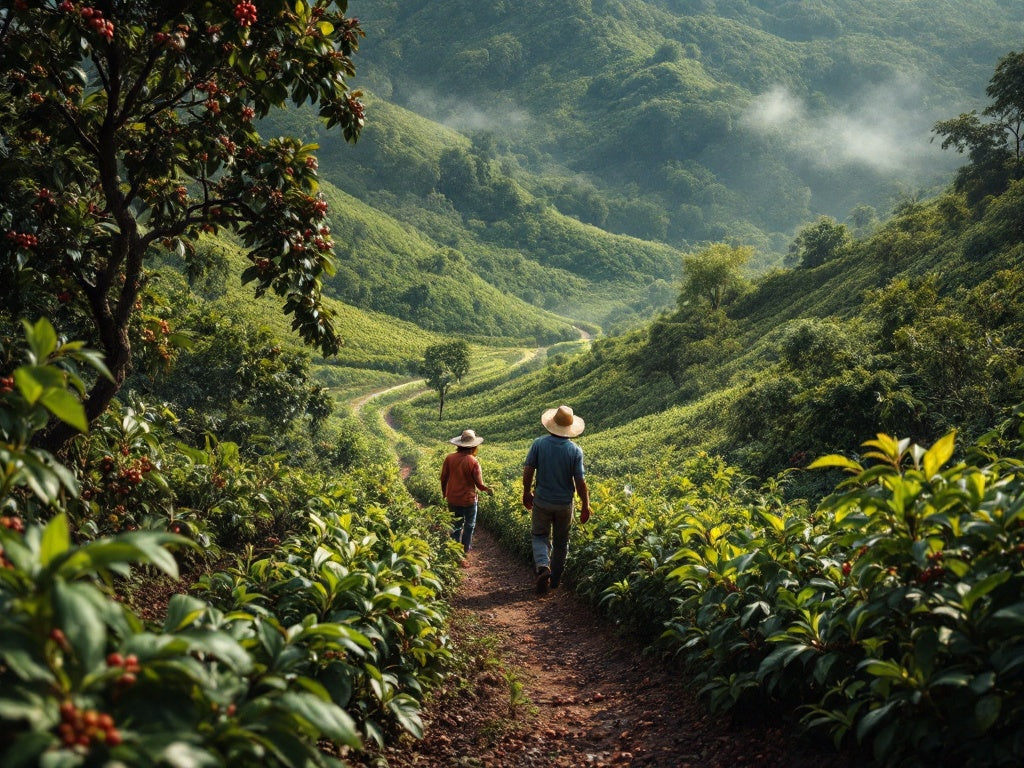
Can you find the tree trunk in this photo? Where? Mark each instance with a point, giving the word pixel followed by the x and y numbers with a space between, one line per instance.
pixel 56 437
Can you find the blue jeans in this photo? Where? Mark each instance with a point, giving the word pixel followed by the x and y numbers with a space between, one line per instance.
pixel 550 535
pixel 464 524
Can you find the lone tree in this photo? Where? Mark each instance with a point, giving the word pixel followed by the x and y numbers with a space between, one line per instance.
pixel 995 144
pixel 128 127
pixel 818 243
pixel 715 274
pixel 444 364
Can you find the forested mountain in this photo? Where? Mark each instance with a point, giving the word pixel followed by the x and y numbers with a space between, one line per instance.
pixel 687 121
pixel 492 130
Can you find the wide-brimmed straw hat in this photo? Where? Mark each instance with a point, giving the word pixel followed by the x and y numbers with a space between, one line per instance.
pixel 468 439
pixel 562 421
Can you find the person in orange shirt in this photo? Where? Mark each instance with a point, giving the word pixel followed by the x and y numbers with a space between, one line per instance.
pixel 461 478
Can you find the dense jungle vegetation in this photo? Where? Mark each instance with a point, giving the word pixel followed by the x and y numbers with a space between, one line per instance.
pixel 799 358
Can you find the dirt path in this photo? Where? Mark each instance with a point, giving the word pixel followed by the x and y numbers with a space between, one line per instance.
pixel 589 697
pixel 359 402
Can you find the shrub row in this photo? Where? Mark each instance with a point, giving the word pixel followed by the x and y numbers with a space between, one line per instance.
pixel 889 617
pixel 322 636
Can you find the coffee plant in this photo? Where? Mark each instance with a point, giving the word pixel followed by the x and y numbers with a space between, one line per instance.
pixel 296 658
pixel 890 617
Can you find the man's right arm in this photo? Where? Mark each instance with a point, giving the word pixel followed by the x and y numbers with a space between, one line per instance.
pixel 584 494
pixel 528 473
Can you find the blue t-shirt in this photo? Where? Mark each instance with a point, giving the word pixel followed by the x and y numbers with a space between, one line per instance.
pixel 558 460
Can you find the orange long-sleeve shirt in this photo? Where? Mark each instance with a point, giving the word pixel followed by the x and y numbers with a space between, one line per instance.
pixel 461 476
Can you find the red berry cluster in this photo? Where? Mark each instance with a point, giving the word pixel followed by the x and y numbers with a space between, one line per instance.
pixel 12 522
pixel 91 16
pixel 355 106
pixel 128 664
pixel 45 201
pixel 94 18
pixel 245 13
pixel 847 568
pixel 23 239
pixel 84 727
pixel 320 207
pixel 230 147
pixel 160 344
pixel 932 573
pixel 6 384
pixel 128 476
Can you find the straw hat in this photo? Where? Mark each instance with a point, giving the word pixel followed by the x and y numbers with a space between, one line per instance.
pixel 562 421
pixel 467 439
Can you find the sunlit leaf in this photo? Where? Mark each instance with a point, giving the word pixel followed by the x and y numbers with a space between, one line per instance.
pixel 66 407
pixel 936 456
pixel 835 460
pixel 56 539
pixel 331 720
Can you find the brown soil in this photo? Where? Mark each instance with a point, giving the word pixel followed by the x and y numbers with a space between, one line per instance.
pixel 552 684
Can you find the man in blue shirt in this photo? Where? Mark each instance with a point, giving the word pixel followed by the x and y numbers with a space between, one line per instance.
pixel 557 465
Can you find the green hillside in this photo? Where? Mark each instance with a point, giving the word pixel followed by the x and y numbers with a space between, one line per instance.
pixel 687 122
pixel 568 163
pixel 913 331
pixel 410 250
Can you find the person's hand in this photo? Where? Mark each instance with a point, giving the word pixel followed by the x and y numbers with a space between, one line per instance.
pixel 584 514
pixel 489 491
pixel 527 501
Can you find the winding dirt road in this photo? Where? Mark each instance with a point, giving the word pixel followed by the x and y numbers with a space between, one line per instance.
pixel 559 688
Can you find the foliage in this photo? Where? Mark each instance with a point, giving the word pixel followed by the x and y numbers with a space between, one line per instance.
pixel 891 611
pixel 700 157
pixel 888 617
pixel 996 146
pixel 129 127
pixel 340 650
pixel 29 395
pixel 470 287
pixel 240 380
pixel 819 242
pixel 370 602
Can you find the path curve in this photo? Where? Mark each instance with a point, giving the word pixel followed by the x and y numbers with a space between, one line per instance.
pixel 359 402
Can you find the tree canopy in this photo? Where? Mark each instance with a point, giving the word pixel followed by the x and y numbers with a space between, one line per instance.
pixel 819 242
pixel 994 144
pixel 131 127
pixel 714 274
pixel 444 364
